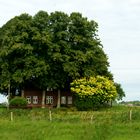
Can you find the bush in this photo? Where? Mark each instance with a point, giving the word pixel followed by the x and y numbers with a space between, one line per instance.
pixel 93 92
pixel 3 105
pixel 18 102
pixel 86 103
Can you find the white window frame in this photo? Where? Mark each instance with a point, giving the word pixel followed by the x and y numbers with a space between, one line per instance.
pixel 49 89
pixel 35 99
pixel 63 100
pixel 28 99
pixel 49 99
pixel 69 100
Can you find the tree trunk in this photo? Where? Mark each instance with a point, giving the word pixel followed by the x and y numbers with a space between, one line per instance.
pixel 111 103
pixel 22 93
pixel 58 99
pixel 43 99
pixel 9 94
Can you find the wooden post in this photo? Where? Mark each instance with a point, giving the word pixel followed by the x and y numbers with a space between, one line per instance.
pixel 91 118
pixel 11 116
pixel 50 114
pixel 58 99
pixel 43 99
pixel 130 115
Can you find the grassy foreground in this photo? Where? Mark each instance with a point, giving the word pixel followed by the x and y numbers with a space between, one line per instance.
pixel 108 124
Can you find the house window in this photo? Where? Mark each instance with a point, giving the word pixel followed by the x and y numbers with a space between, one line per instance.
pixel 63 100
pixel 49 89
pixel 16 92
pixel 28 99
pixel 49 99
pixel 35 99
pixel 69 100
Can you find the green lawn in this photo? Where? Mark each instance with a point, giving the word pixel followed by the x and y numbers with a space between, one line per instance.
pixel 107 124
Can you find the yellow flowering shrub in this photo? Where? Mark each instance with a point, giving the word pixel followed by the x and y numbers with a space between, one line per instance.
pixel 97 88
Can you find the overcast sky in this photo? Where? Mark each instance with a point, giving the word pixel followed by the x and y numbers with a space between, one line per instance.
pixel 119 31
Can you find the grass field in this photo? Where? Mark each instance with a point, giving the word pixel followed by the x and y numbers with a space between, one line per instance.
pixel 106 124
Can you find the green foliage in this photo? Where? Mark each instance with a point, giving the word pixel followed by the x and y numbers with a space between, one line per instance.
pixel 86 103
pixel 92 92
pixel 3 105
pixel 18 102
pixel 19 61
pixel 50 50
pixel 120 92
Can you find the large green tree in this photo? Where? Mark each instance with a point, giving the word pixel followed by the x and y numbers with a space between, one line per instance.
pixel 20 61
pixel 50 50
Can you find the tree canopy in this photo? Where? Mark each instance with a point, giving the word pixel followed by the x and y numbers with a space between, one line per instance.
pixel 50 50
pixel 19 60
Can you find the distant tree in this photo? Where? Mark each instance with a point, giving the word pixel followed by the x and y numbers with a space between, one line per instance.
pixel 120 91
pixel 93 91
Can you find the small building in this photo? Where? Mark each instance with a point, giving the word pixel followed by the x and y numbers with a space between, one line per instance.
pixel 48 98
